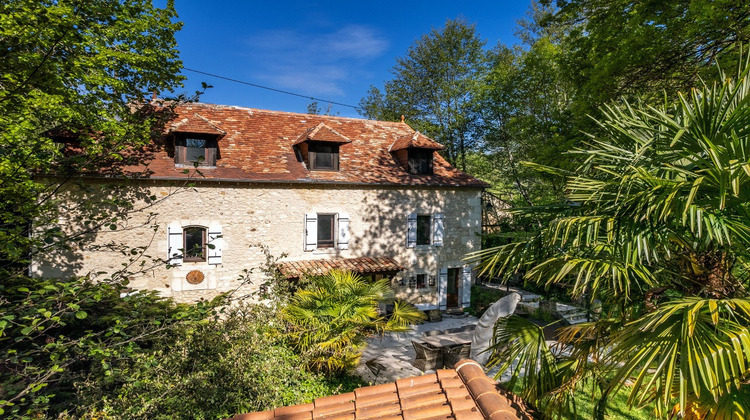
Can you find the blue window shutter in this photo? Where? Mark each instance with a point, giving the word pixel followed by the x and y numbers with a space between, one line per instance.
pixel 411 230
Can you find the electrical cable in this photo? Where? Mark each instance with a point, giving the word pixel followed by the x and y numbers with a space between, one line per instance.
pixel 270 88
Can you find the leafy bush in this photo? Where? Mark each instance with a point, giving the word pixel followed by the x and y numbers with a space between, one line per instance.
pixel 214 369
pixel 54 333
pixel 331 318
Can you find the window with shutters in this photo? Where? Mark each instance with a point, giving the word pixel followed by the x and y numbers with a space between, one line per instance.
pixel 326 231
pixel 425 230
pixel 191 150
pixel 194 244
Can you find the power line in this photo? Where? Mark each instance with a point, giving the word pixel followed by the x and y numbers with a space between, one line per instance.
pixel 270 88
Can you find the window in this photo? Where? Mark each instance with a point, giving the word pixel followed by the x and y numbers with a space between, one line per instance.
pixel 194 244
pixel 189 150
pixel 423 229
pixel 420 161
pixel 421 281
pixel 326 231
pixel 323 156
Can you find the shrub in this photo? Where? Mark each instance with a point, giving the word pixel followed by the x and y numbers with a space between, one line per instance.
pixel 331 318
pixel 215 369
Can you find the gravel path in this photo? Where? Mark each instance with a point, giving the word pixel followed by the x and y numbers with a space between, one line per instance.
pixel 396 353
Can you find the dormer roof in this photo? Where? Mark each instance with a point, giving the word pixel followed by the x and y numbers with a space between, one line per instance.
pixel 415 140
pixel 322 132
pixel 195 123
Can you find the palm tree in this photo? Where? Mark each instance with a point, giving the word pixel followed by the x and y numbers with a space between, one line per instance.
pixel 657 226
pixel 332 317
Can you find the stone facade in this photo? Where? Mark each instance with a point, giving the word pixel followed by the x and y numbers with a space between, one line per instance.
pixel 249 214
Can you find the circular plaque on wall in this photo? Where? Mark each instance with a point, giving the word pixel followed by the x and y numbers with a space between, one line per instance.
pixel 195 277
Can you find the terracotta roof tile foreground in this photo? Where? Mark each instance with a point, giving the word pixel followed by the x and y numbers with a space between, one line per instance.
pixel 362 265
pixel 463 393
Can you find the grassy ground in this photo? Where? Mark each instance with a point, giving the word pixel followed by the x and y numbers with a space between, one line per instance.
pixel 616 406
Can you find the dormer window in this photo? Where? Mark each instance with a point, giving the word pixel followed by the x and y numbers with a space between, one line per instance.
pixel 189 150
pixel 416 153
pixel 323 156
pixel 318 147
pixel 420 161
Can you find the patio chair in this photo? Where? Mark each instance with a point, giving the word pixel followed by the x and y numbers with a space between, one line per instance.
pixel 428 357
pixel 452 355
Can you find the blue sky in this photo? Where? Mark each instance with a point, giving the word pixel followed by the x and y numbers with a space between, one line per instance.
pixel 326 49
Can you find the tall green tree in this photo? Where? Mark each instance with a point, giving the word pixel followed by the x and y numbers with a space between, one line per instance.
pixel 638 47
pixel 77 69
pixel 433 87
pixel 657 226
pixel 80 71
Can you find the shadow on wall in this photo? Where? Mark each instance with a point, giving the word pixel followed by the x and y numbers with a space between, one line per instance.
pixel 92 221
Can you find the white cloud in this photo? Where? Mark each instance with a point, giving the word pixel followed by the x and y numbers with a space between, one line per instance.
pixel 313 63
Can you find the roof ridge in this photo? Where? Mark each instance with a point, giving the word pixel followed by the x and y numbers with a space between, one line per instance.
pixel 270 111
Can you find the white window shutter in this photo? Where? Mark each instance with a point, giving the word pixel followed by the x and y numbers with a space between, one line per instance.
pixel 311 231
pixel 443 289
pixel 466 285
pixel 343 231
pixel 411 230
pixel 438 229
pixel 215 244
pixel 174 244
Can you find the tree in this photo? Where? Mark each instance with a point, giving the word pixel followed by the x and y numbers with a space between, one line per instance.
pixel 72 69
pixel 630 47
pixel 657 226
pixel 79 71
pixel 434 87
pixel 331 318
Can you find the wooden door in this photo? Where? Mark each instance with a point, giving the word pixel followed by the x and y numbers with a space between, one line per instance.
pixel 454 275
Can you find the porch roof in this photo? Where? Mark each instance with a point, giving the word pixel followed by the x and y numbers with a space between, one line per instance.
pixel 362 265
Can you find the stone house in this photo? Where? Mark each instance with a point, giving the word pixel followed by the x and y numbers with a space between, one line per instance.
pixel 321 191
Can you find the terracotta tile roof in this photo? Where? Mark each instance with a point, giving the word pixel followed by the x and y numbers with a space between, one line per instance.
pixel 363 265
pixel 463 393
pixel 415 139
pixel 258 146
pixel 322 132
pixel 194 123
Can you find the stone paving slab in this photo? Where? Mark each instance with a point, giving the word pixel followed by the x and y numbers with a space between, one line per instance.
pixel 395 352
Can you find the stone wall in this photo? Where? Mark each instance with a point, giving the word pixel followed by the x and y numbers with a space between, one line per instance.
pixel 273 215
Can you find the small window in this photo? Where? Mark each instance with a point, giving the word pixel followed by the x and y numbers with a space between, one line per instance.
pixel 421 281
pixel 326 229
pixel 190 150
pixel 420 161
pixel 423 229
pixel 194 244
pixel 323 156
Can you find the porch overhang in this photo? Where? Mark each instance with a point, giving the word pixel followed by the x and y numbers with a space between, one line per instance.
pixel 361 265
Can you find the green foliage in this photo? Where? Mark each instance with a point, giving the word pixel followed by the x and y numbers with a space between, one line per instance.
pixel 482 298
pixel 53 333
pixel 658 227
pixel 331 318
pixel 80 70
pixel 434 86
pixel 213 369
